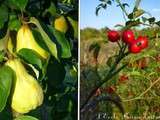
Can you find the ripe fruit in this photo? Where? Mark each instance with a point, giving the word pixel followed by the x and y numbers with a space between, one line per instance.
pixel 123 78
pixel 25 39
pixel 61 24
pixel 128 36
pixel 134 47
pixel 111 89
pixel 27 93
pixel 113 36
pixel 143 41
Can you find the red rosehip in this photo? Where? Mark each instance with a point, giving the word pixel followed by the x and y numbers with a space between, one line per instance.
pixel 111 89
pixel 134 47
pixel 128 36
pixel 143 41
pixel 123 78
pixel 113 36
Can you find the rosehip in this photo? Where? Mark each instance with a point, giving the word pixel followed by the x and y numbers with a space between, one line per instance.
pixel 143 42
pixel 134 47
pixel 113 36
pixel 123 78
pixel 111 89
pixel 128 36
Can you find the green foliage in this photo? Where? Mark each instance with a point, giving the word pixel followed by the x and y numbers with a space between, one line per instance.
pixel 31 57
pixel 25 117
pixel 6 78
pixel 57 74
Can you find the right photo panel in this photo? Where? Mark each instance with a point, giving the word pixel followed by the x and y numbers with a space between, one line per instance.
pixel 119 60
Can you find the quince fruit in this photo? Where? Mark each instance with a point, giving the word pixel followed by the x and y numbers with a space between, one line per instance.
pixel 27 93
pixel 60 24
pixel 25 39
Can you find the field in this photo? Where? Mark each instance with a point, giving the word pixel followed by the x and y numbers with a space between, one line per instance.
pixel 135 89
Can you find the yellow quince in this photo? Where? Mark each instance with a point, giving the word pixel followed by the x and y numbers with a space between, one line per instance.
pixel 25 39
pixel 60 24
pixel 27 93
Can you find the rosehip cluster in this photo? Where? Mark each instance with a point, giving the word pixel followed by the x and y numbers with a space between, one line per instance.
pixel 134 45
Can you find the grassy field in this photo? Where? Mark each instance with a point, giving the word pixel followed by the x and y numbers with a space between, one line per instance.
pixel 138 85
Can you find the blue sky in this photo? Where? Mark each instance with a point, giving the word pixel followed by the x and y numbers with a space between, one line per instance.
pixel 113 14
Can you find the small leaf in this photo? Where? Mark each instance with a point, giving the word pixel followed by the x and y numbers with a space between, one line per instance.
pixel 14 23
pixel 151 20
pixel 133 23
pixel 125 4
pixel 31 57
pixel 136 14
pixel 65 46
pixel 6 78
pixel 52 9
pixel 109 2
pixel 97 10
pixel 25 117
pixel 137 2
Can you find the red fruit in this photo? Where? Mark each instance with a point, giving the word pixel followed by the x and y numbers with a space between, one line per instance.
pixel 128 36
pixel 143 41
pixel 123 78
pixel 111 89
pixel 134 47
pixel 113 36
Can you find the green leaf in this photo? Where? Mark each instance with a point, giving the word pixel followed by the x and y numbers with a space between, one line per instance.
pixel 18 4
pixel 55 73
pixel 133 23
pixel 14 23
pixel 136 14
pixel 49 43
pixel 6 77
pixel 137 2
pixel 52 9
pixel 65 46
pixel 25 117
pixel 74 25
pixel 3 15
pixel 151 20
pixel 30 56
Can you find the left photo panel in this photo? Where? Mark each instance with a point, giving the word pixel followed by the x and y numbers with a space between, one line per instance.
pixel 39 59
